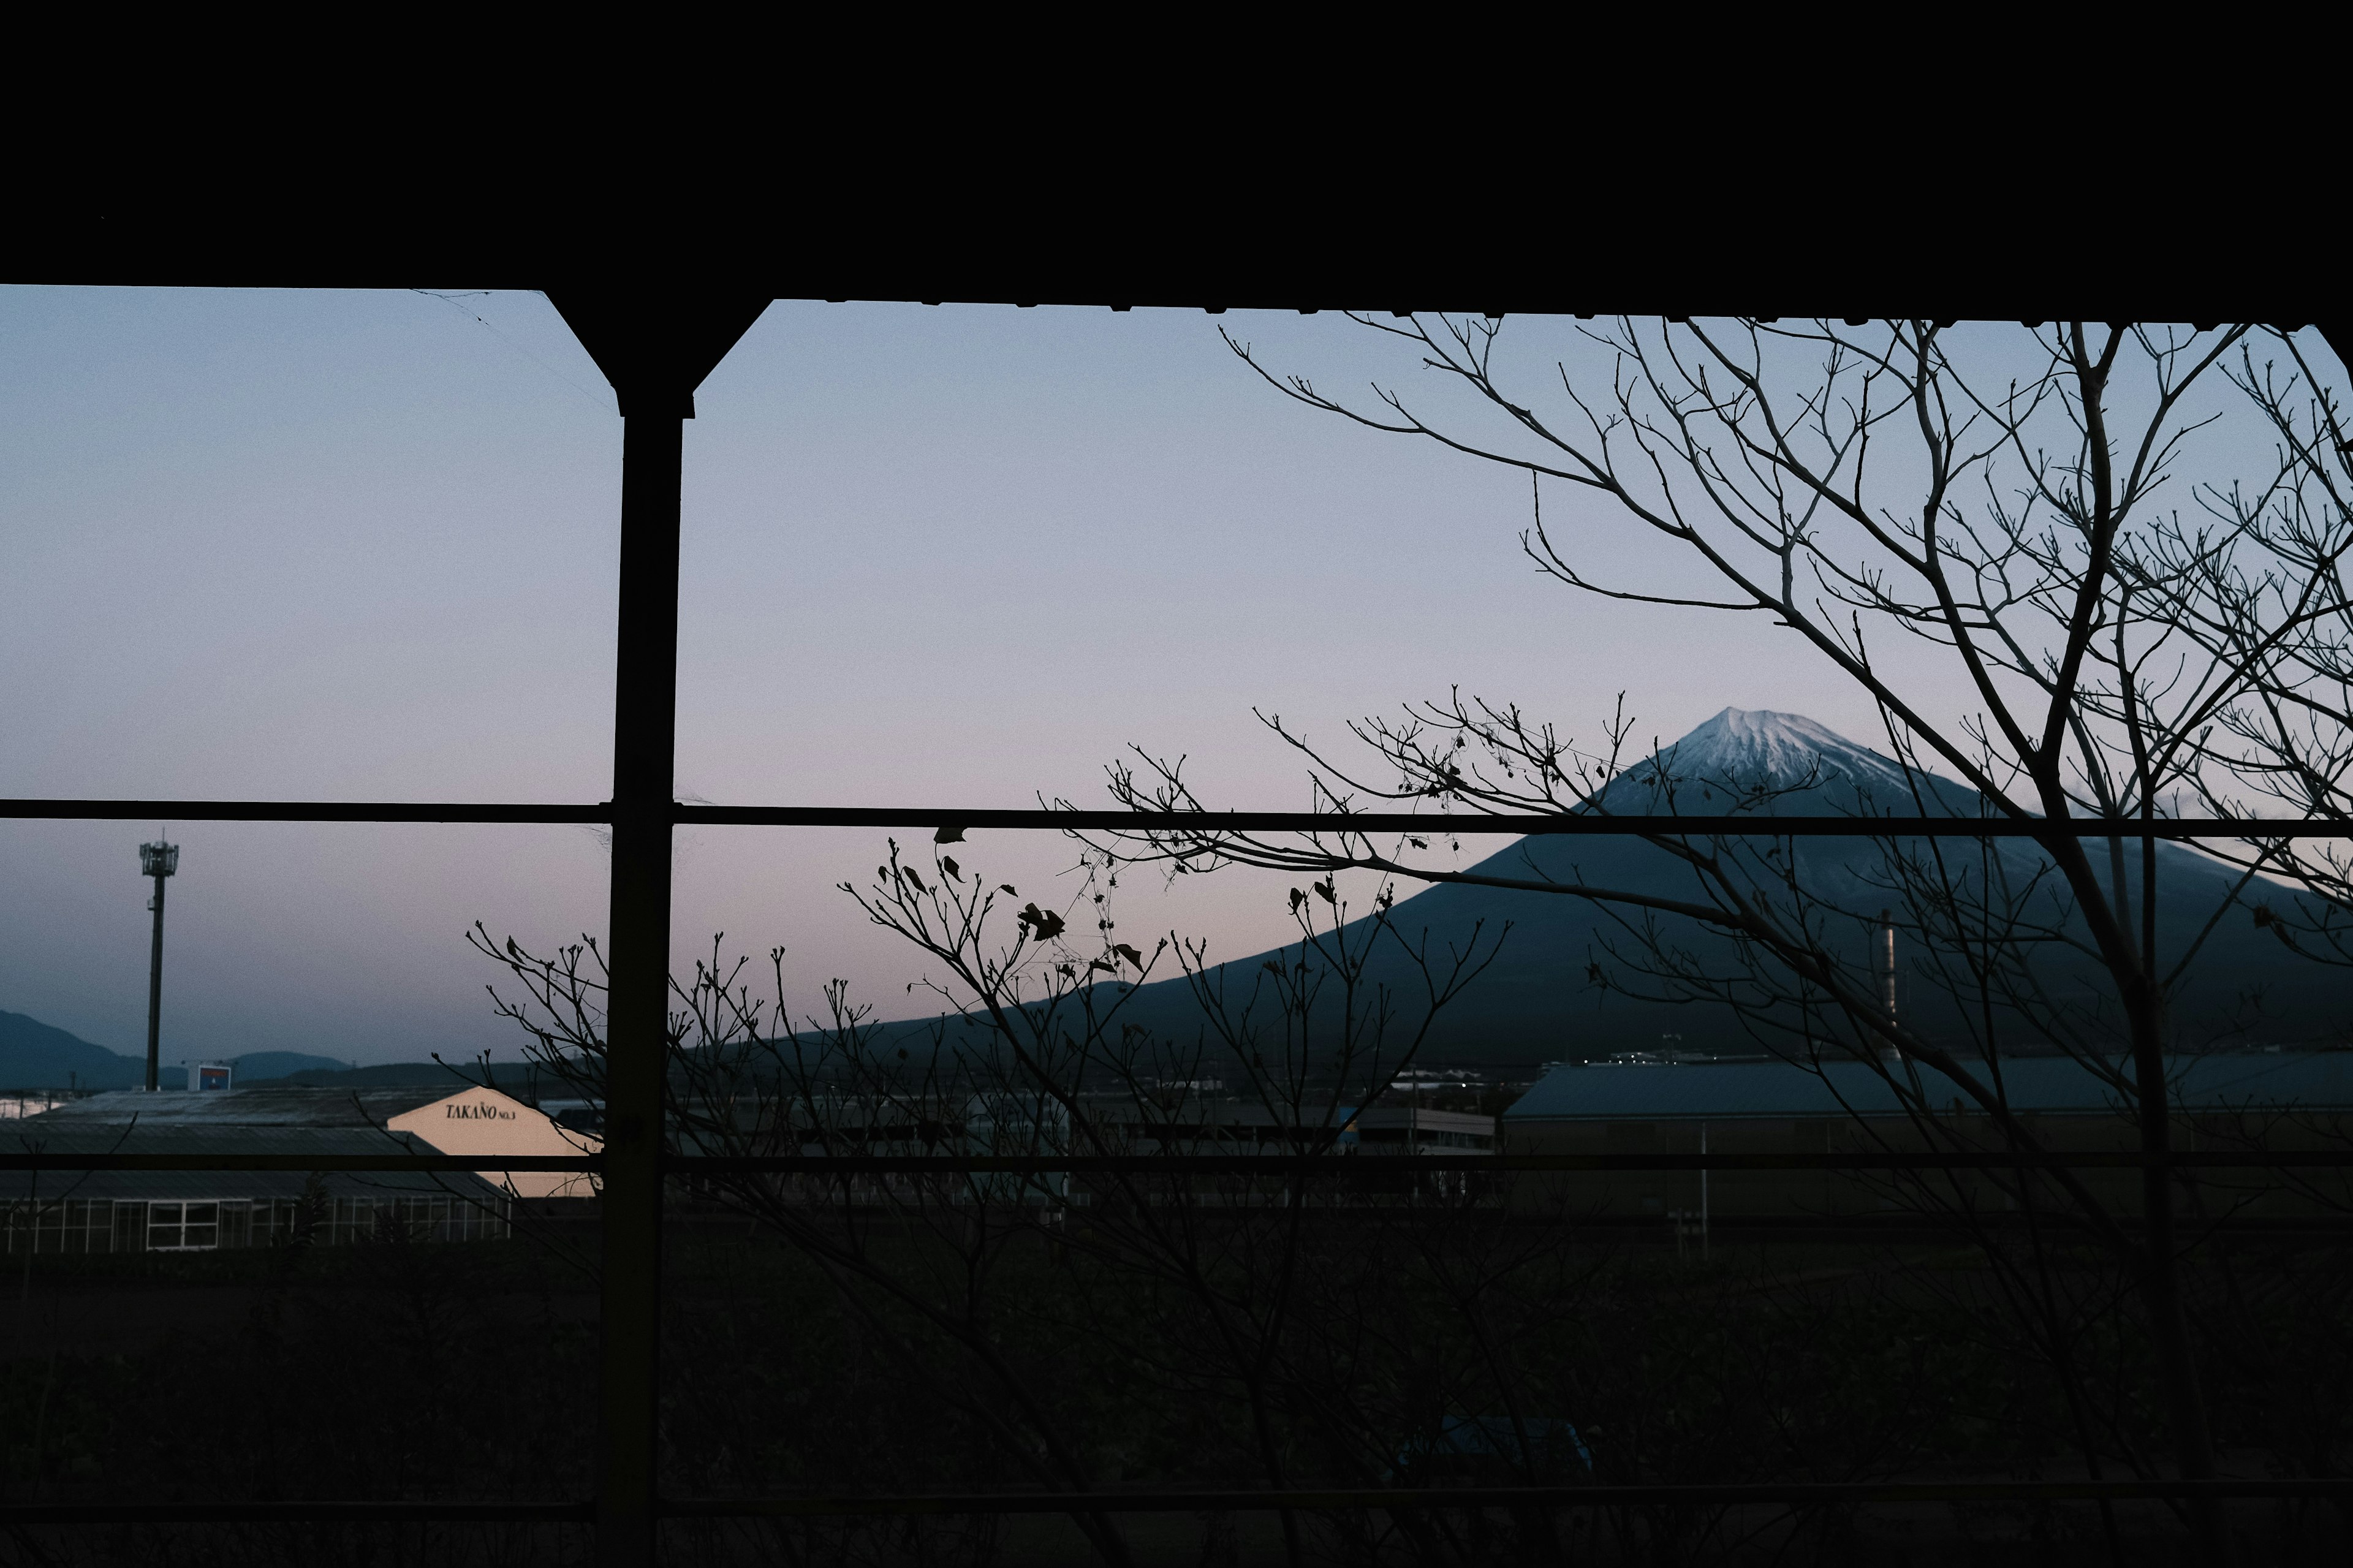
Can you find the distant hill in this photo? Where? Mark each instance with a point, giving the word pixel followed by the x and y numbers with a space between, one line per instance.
pixel 255 1067
pixel 34 1055
pixel 406 1075
pixel 384 1075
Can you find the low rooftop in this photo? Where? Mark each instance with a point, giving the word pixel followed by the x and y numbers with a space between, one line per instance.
pixel 1645 1092
pixel 266 1105
pixel 42 1134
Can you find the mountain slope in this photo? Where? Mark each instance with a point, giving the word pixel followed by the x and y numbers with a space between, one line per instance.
pixel 1781 751
pixel 34 1055
pixel 1537 1003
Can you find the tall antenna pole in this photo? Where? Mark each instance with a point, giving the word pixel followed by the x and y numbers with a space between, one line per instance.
pixel 1883 963
pixel 1887 961
pixel 158 860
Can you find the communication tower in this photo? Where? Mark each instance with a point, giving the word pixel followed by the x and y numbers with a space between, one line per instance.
pixel 158 860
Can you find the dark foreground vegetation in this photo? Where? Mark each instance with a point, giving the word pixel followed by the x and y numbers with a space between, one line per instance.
pixel 1444 1343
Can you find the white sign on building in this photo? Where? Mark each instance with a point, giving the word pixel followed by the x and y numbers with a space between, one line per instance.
pixel 484 1121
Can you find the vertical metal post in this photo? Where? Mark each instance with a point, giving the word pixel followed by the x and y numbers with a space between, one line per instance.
pixel 1887 963
pixel 645 731
pixel 1703 1196
pixel 155 986
pixel 655 348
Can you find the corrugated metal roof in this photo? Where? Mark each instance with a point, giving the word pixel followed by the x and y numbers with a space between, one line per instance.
pixel 256 1186
pixel 292 1106
pixel 35 1134
pixel 1730 1090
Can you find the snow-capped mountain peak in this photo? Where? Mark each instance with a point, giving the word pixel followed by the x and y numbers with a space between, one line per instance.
pixel 1776 750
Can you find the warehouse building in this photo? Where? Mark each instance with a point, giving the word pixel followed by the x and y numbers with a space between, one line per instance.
pixel 1205 1126
pixel 1187 1123
pixel 2240 1101
pixel 198 1211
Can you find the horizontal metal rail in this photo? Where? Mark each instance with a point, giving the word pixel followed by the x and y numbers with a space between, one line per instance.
pixel 953 820
pixel 1379 1165
pixel 1369 1166
pixel 335 1512
pixel 301 811
pixel 1540 825
pixel 1797 1494
pixel 213 1160
pixel 1789 1494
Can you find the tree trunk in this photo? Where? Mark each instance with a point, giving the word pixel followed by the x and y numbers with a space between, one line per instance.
pixel 2169 1321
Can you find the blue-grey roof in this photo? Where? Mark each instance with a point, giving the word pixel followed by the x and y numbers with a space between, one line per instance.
pixel 31 1135
pixel 270 1106
pixel 1730 1090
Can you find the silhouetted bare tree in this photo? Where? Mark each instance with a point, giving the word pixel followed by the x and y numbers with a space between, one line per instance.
pixel 1201 1280
pixel 1999 505
pixel 2260 585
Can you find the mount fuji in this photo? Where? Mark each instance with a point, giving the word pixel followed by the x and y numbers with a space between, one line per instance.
pixel 1779 750
pixel 1537 1002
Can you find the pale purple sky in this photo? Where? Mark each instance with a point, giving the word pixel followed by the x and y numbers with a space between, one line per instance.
pixel 360 545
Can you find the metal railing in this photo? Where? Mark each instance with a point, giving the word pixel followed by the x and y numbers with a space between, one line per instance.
pixel 1368 1167
pixel 1795 1495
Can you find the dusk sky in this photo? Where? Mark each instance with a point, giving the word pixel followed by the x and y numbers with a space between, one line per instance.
pixel 356 545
